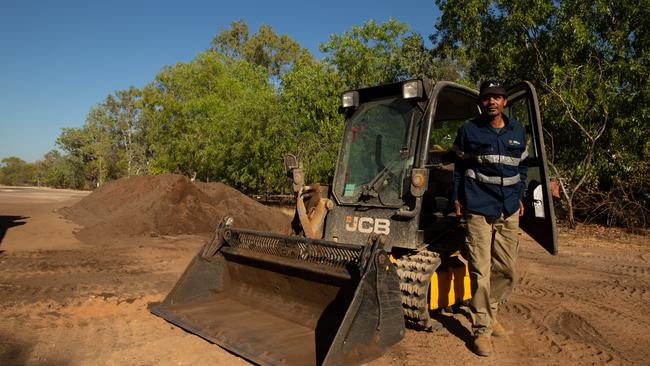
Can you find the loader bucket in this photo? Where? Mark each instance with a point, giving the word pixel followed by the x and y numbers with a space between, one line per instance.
pixel 282 300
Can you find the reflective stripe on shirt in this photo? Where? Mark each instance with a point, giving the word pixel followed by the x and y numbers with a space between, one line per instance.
pixel 506 181
pixel 502 159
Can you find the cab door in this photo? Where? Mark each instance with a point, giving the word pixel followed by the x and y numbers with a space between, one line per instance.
pixel 539 216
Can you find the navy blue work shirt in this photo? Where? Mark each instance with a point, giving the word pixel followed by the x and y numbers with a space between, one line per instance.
pixel 491 169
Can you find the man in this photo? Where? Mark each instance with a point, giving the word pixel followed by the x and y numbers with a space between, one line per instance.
pixel 489 180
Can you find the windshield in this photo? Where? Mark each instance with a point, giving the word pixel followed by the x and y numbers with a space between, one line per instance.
pixel 375 153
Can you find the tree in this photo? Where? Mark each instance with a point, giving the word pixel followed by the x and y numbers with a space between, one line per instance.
pixel 93 146
pixel 216 118
pixel 373 54
pixel 310 99
pixel 14 171
pixel 76 143
pixel 123 111
pixel 111 143
pixel 45 167
pixel 370 54
pixel 274 53
pixel 588 62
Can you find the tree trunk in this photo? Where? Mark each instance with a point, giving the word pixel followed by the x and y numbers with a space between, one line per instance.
pixel 570 218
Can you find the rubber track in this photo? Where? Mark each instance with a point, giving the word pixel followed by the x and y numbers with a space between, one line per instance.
pixel 414 272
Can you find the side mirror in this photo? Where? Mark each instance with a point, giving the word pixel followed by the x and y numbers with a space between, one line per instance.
pixel 293 169
pixel 290 163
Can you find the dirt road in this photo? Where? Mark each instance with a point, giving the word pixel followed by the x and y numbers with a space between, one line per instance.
pixel 66 302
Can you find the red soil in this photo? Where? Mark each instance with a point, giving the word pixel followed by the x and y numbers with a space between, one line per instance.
pixel 168 204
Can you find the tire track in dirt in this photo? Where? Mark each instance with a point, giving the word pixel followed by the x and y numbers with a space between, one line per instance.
pixel 617 277
pixel 561 332
pixel 574 335
pixel 572 315
pixel 69 297
pixel 631 270
pixel 623 282
pixel 530 287
pixel 61 275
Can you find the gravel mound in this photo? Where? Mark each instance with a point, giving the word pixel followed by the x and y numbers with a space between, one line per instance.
pixel 169 204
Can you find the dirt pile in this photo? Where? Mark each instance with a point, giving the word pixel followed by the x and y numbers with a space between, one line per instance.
pixel 168 204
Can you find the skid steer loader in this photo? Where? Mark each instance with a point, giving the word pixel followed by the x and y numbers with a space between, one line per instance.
pixel 373 252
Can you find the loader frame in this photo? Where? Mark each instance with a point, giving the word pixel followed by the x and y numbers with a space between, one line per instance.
pixel 359 266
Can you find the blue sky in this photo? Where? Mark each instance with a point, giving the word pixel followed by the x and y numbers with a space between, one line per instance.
pixel 60 58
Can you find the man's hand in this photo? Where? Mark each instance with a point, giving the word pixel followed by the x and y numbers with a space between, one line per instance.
pixel 521 208
pixel 459 208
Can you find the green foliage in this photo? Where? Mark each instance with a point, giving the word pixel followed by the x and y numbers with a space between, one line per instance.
pixel 15 171
pixel 215 118
pixel 374 54
pixel 58 171
pixel 310 99
pixel 123 112
pixel 274 53
pixel 91 145
pixel 111 143
pixel 588 61
pixel 48 170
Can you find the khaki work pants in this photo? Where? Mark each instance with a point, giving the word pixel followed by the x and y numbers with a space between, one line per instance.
pixel 492 246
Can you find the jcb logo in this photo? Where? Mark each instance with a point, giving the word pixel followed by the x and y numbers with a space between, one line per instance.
pixel 367 225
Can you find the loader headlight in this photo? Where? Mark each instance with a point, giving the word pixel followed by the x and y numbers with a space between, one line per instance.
pixel 350 99
pixel 412 89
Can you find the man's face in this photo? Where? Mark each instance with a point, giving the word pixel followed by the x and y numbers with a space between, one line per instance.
pixel 492 104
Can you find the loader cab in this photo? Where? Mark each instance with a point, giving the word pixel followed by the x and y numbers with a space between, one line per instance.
pixel 391 130
pixel 395 165
pixel 453 107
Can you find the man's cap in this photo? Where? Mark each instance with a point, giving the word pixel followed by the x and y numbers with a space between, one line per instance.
pixel 492 87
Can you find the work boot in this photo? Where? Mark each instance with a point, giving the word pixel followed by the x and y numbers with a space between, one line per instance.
pixel 482 345
pixel 498 330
